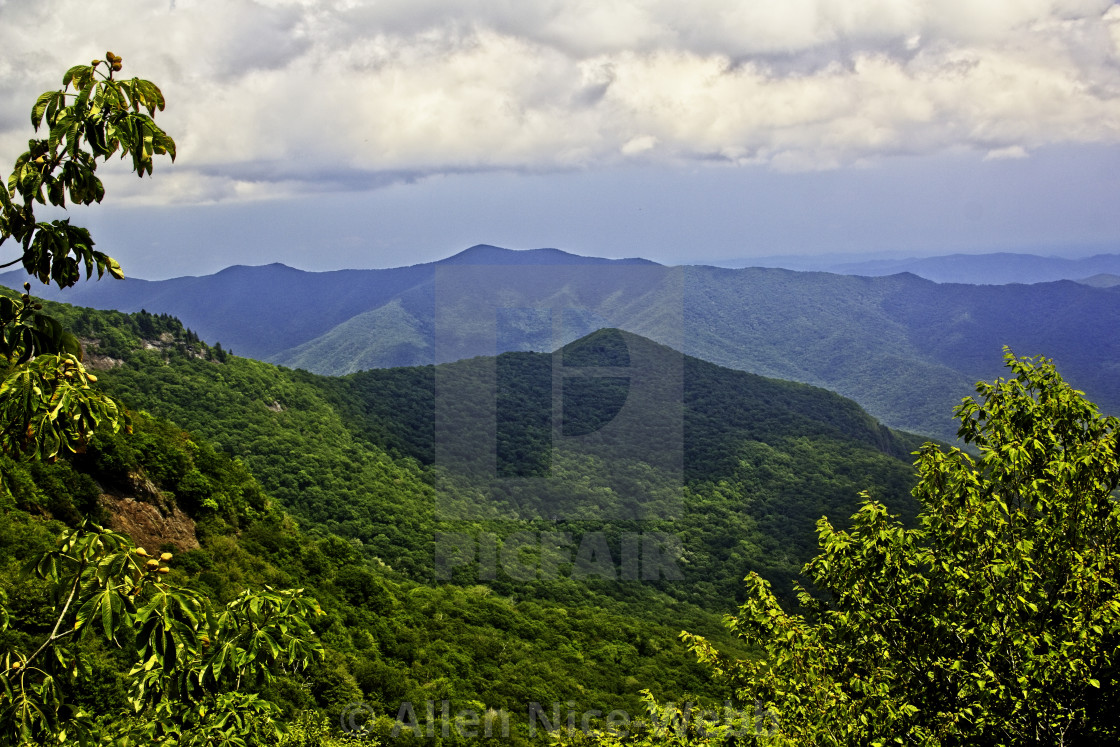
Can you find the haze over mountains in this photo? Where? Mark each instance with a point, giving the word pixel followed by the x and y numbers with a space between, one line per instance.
pixel 906 348
pixel 978 269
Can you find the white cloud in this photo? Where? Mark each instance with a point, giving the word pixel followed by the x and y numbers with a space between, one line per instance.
pixel 270 97
pixel 1014 151
pixel 638 145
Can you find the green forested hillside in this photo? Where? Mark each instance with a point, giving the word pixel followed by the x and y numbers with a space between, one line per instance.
pixel 762 459
pixel 388 639
pixel 333 484
pixel 353 456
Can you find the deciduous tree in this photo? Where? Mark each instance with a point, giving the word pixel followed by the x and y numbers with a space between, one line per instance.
pixel 196 666
pixel 995 620
pixel 47 405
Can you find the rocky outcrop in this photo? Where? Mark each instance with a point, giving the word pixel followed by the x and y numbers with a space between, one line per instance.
pixel 97 362
pixel 149 518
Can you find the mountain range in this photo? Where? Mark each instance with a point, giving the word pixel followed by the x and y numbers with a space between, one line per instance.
pixel 996 268
pixel 989 269
pixel 904 347
pixel 354 487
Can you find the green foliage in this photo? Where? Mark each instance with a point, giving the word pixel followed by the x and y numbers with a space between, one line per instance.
pixel 687 724
pixel 309 729
pixel 387 638
pixel 205 483
pixel 249 626
pixel 763 459
pixel 46 403
pixel 354 457
pixel 995 621
pixel 91 117
pixel 28 333
pixel 189 660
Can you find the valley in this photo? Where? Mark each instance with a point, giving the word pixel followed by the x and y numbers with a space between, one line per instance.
pixel 335 484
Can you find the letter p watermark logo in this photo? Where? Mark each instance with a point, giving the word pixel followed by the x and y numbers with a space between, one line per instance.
pixel 593 428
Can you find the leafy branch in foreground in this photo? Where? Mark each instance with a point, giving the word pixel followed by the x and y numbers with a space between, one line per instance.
pixel 93 116
pixel 996 621
pixel 192 663
pixel 46 403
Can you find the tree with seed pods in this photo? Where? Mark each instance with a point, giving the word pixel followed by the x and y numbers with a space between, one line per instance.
pixel 47 403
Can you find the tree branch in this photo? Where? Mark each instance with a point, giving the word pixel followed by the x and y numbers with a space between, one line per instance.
pixel 54 636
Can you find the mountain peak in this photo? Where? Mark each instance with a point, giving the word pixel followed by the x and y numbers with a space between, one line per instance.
pixel 486 254
pixel 271 267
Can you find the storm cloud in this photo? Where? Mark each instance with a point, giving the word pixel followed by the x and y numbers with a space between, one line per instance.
pixel 276 98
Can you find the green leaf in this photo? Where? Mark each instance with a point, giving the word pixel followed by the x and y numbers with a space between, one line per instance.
pixel 40 108
pixel 73 72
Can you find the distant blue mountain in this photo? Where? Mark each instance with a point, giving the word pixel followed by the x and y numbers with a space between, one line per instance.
pixel 261 311
pixel 485 254
pixel 987 269
pixel 906 348
pixel 976 269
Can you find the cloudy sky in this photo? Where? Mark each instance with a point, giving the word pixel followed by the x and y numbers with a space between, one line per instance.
pixel 373 133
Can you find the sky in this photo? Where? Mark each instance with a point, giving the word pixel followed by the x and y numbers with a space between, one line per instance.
pixel 331 134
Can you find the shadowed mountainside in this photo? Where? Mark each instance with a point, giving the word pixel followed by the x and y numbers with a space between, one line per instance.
pixel 905 348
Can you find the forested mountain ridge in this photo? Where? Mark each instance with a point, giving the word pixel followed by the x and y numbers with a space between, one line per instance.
pixel 720 406
pixel 249 308
pixel 387 639
pixel 351 460
pixel 903 347
pixel 762 460
pixel 390 634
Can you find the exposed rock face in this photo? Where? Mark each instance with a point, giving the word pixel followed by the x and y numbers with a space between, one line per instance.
pixel 151 522
pixel 101 362
pixel 92 357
